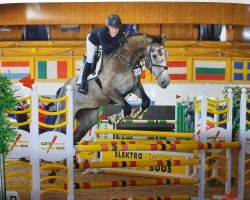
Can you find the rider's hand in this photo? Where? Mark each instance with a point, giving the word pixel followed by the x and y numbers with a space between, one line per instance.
pixel 123 39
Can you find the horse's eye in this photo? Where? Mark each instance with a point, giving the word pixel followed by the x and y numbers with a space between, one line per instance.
pixel 154 56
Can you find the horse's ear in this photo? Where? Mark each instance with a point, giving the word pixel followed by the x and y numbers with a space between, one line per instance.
pixel 149 38
pixel 164 38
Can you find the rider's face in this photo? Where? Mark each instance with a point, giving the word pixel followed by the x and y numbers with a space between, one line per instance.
pixel 113 31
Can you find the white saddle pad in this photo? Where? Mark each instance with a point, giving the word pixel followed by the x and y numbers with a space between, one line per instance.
pixel 91 76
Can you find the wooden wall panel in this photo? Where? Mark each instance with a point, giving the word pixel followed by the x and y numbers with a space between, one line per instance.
pixel 15 34
pixel 154 29
pixel 131 12
pixel 211 13
pixel 236 33
pixel 56 33
pixel 180 31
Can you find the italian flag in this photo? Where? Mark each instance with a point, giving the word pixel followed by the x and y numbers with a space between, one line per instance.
pixel 52 69
pixel 210 70
pixel 177 70
pixel 15 69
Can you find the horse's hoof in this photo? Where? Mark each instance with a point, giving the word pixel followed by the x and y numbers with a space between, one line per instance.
pixel 119 120
pixel 112 119
pixel 109 120
pixel 133 113
pixel 140 116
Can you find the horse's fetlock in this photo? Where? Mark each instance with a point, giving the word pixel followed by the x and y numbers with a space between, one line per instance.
pixel 127 110
pixel 145 104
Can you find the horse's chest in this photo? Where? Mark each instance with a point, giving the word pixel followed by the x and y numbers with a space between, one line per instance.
pixel 126 83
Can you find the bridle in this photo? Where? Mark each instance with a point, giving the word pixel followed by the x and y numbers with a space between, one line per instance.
pixel 150 64
pixel 148 61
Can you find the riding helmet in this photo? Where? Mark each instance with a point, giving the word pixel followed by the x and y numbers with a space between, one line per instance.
pixel 114 21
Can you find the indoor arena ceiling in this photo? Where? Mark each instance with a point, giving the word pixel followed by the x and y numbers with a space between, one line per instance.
pixel 57 1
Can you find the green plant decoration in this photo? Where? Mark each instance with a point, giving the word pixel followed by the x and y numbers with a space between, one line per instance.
pixel 7 102
pixel 236 107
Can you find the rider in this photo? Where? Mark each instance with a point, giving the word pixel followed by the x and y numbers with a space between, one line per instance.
pixel 109 37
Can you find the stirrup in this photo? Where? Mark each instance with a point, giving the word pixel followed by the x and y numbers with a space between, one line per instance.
pixel 83 89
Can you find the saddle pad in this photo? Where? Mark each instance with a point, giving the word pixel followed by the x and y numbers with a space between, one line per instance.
pixel 91 76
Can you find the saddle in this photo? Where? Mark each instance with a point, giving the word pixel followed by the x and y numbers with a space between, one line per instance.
pixel 95 67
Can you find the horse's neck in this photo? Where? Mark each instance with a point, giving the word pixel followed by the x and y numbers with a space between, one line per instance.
pixel 130 52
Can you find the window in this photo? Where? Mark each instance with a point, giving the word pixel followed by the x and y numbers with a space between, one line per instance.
pixel 246 33
pixel 130 28
pixel 70 28
pixel 36 32
pixel 212 32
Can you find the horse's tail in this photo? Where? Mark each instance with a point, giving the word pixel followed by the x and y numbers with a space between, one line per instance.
pixel 58 92
pixel 57 96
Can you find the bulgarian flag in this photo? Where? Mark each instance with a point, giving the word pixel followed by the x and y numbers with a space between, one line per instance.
pixel 177 70
pixel 210 70
pixel 15 69
pixel 52 69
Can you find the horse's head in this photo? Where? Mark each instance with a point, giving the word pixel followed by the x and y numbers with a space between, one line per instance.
pixel 156 59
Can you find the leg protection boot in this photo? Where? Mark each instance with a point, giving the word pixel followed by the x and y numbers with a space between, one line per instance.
pixel 83 87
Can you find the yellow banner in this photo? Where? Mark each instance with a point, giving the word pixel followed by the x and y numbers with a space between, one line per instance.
pixel 145 156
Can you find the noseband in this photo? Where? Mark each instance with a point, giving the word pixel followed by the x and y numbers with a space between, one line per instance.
pixel 150 64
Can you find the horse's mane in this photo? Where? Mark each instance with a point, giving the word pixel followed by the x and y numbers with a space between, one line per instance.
pixel 154 38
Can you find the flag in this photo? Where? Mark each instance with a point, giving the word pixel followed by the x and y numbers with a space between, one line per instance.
pixel 177 70
pixel 241 71
pixel 210 70
pixel 51 69
pixel 27 81
pixel 177 96
pixel 143 72
pixel 15 69
pixel 78 65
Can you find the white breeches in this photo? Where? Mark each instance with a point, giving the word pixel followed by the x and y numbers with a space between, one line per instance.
pixel 91 49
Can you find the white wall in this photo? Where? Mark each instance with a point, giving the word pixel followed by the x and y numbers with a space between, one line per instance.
pixel 168 96
pixel 160 96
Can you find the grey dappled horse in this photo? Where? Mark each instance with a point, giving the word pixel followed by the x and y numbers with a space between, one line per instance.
pixel 116 80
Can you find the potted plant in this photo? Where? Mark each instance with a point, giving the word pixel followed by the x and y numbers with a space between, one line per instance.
pixel 236 108
pixel 7 102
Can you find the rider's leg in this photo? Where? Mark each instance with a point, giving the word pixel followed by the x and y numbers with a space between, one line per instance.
pixel 83 87
pixel 91 49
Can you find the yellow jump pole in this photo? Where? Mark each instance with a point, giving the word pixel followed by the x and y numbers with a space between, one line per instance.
pixel 117 141
pixel 125 183
pixel 158 198
pixel 145 133
pixel 120 164
pixel 156 147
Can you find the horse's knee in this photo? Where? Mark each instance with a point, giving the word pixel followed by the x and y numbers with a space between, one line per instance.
pixel 127 110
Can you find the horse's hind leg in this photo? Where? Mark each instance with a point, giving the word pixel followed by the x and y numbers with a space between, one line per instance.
pixel 86 120
pixel 140 93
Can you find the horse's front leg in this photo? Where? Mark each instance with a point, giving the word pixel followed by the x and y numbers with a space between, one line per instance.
pixel 119 117
pixel 140 93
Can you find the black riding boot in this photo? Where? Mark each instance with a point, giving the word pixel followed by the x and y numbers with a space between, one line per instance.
pixel 83 87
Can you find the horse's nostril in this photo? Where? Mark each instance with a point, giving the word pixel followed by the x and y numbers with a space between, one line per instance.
pixel 154 56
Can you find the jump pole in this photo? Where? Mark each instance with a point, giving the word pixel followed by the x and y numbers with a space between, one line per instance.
pixel 244 138
pixel 144 133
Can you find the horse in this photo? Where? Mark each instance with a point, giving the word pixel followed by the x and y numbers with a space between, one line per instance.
pixel 120 76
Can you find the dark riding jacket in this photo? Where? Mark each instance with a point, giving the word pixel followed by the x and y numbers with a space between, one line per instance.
pixel 101 36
